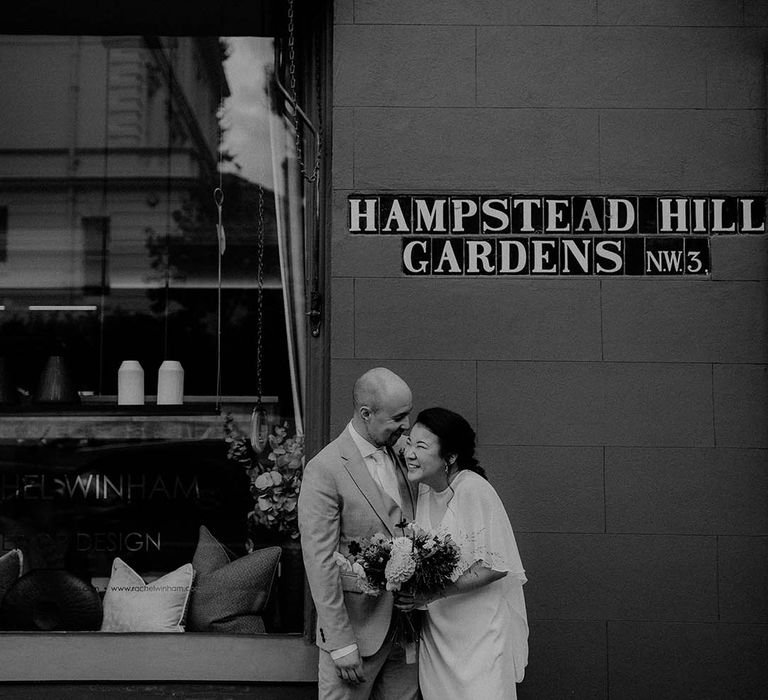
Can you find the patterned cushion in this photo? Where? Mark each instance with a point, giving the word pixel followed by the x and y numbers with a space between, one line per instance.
pixel 229 595
pixel 11 565
pixel 51 599
pixel 131 605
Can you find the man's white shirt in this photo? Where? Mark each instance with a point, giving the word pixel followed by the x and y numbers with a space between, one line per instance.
pixel 379 464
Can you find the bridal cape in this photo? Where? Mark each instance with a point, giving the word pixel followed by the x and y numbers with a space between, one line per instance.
pixel 476 642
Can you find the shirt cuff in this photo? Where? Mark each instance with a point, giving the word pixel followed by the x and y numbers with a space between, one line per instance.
pixel 338 653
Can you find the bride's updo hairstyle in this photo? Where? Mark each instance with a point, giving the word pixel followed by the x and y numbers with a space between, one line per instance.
pixel 455 434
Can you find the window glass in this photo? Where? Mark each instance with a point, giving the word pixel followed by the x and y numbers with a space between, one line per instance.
pixel 122 157
pixel 109 248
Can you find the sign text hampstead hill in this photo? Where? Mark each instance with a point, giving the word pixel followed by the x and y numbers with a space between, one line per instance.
pixel 552 235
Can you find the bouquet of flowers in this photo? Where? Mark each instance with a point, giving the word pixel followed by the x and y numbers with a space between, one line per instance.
pixel 418 562
pixel 275 476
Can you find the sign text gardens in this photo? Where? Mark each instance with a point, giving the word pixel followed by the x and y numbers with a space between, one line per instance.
pixel 555 235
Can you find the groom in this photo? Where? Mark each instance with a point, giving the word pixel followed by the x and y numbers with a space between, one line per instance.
pixel 355 487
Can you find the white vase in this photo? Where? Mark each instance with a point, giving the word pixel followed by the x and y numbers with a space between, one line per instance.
pixel 130 384
pixel 170 383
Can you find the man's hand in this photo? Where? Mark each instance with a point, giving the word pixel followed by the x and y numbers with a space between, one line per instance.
pixel 350 667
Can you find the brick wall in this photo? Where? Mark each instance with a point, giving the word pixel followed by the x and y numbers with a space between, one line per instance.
pixel 623 421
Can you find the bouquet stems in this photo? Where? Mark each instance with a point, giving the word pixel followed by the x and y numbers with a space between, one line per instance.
pixel 407 627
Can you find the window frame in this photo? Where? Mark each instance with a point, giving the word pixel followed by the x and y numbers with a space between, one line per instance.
pixel 96 656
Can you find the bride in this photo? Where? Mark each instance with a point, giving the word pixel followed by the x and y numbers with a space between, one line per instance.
pixel 474 638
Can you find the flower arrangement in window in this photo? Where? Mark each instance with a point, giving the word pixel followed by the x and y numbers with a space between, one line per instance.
pixel 275 475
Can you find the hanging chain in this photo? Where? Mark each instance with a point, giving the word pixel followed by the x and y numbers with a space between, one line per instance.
pixel 292 83
pixel 259 422
pixel 260 294
pixel 221 243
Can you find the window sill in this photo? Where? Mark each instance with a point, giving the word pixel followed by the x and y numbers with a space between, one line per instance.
pixel 101 656
pixel 194 420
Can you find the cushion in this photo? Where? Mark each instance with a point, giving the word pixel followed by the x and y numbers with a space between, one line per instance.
pixel 229 595
pixel 51 599
pixel 132 605
pixel 11 565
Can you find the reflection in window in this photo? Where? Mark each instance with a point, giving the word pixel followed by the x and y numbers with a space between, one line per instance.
pixel 112 150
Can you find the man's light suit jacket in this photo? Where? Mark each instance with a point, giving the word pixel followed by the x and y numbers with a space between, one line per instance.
pixel 339 501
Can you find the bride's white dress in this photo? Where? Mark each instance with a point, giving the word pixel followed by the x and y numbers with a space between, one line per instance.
pixel 474 645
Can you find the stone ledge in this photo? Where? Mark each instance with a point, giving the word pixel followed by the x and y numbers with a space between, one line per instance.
pixel 98 656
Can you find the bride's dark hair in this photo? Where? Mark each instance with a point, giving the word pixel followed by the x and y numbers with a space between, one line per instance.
pixel 455 434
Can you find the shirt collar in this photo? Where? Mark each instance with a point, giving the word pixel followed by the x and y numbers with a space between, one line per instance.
pixel 365 447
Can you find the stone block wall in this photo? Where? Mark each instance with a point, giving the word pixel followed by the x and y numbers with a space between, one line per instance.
pixel 623 421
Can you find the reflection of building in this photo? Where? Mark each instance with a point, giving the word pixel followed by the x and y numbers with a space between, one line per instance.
pixel 91 132
pixel 106 193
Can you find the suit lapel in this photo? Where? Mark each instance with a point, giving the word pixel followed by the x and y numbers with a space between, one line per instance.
pixel 353 463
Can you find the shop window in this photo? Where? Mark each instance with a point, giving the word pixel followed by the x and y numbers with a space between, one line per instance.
pixel 158 217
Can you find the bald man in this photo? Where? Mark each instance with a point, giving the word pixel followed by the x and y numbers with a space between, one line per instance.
pixel 355 487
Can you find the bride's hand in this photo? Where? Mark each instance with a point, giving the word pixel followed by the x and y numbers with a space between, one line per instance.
pixel 404 601
pixel 408 601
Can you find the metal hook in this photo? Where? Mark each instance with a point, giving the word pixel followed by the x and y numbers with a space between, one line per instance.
pixel 218 196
